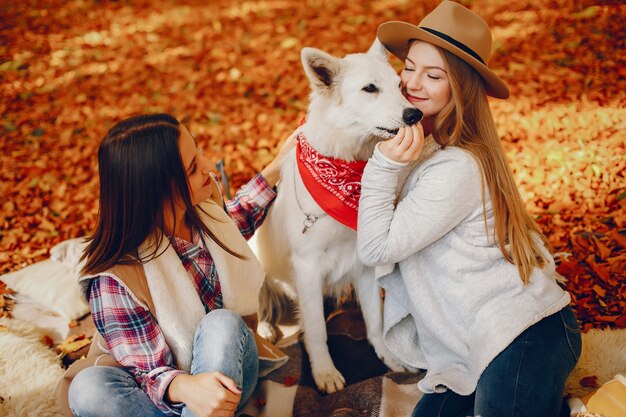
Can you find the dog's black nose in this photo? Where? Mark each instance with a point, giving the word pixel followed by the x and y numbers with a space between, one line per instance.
pixel 410 116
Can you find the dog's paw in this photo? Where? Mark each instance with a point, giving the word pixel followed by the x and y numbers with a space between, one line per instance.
pixel 267 331
pixel 329 380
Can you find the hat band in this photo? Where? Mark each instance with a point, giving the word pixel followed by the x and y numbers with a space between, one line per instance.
pixel 453 42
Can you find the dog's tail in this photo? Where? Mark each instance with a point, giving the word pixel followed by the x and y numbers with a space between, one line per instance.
pixel 276 302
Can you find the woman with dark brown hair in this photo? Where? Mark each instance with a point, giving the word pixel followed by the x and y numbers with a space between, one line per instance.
pixel 170 280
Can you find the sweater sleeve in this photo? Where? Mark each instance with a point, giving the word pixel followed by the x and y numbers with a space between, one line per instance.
pixel 447 191
pixel 250 205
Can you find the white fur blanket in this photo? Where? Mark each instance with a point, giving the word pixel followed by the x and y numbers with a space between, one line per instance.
pixel 29 371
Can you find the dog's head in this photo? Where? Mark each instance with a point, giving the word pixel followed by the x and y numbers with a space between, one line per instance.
pixel 360 92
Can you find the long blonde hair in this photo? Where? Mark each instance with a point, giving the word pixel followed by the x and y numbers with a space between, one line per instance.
pixel 466 121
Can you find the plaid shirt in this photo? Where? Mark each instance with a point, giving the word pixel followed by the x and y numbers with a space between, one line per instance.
pixel 133 336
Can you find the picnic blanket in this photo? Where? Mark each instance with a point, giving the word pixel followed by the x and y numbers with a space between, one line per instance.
pixel 371 390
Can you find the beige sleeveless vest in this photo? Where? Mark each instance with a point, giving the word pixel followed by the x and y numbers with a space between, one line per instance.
pixel 164 288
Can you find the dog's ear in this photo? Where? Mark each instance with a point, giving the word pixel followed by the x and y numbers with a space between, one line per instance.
pixel 377 49
pixel 321 68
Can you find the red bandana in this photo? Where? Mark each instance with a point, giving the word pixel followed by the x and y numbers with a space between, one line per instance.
pixel 334 184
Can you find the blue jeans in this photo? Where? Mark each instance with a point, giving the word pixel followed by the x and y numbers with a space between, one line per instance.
pixel 525 380
pixel 222 343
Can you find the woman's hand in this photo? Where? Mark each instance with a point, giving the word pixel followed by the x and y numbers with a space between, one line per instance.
pixel 209 394
pixel 406 146
pixel 271 172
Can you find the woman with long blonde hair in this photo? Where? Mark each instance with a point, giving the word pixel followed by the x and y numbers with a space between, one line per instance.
pixel 471 295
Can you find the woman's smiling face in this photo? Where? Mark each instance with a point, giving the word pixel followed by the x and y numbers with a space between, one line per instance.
pixel 425 81
pixel 197 167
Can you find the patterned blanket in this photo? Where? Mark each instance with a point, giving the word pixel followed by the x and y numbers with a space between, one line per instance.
pixel 371 390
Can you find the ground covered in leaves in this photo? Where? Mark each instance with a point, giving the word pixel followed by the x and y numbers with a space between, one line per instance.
pixel 230 70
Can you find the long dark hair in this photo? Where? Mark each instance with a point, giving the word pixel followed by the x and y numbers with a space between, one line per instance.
pixel 141 170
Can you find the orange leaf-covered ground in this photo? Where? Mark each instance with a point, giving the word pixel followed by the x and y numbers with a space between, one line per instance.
pixel 231 71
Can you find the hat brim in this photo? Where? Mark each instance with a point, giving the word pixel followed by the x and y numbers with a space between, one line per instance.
pixel 396 36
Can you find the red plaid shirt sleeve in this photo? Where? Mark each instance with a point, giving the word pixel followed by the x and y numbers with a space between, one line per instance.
pixel 134 340
pixel 250 205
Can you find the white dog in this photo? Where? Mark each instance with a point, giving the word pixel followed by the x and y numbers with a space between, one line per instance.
pixel 355 103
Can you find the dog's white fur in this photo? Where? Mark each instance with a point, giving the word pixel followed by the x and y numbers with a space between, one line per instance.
pixel 344 121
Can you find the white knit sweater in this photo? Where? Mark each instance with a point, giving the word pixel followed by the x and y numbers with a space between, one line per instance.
pixel 452 301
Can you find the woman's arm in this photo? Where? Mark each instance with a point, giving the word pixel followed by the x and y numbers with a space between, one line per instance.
pixel 134 339
pixel 447 191
pixel 271 172
pixel 252 202
pixel 250 205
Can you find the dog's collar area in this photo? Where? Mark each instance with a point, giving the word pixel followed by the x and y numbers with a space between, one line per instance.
pixel 310 218
pixel 334 184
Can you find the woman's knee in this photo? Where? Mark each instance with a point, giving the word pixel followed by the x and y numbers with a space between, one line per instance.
pixel 223 342
pixel 222 330
pixel 87 391
pixel 221 321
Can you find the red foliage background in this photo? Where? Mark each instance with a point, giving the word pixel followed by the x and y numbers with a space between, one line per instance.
pixel 230 70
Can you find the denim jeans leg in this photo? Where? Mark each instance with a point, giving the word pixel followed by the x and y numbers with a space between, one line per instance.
pixel 527 379
pixel 445 404
pixel 104 391
pixel 224 343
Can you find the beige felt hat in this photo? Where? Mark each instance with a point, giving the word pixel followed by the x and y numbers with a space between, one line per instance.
pixel 454 28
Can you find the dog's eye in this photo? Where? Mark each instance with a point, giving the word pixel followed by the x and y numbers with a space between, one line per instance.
pixel 370 88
